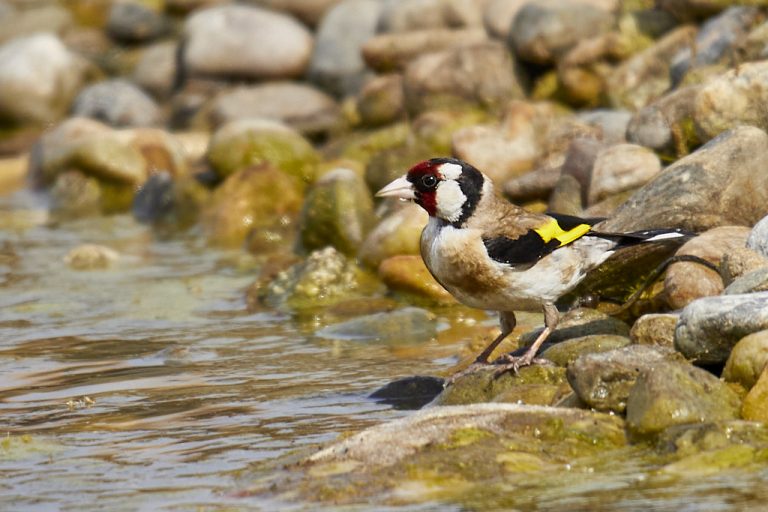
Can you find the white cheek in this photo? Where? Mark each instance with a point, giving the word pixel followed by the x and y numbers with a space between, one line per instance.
pixel 450 171
pixel 450 201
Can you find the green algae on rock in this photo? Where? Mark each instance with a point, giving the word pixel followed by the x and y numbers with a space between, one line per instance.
pixel 747 360
pixel 566 352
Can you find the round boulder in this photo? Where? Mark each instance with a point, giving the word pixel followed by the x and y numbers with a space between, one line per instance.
pixel 117 103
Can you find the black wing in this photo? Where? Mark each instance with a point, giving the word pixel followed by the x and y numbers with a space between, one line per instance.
pixel 525 250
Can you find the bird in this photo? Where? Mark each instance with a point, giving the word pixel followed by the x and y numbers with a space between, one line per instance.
pixel 494 255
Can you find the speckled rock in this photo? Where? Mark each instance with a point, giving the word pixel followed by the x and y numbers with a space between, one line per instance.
pixel 408 274
pixel 543 31
pixel 393 51
pixel 247 42
pixel 429 14
pixel 731 99
pixel 665 124
pixel 603 380
pixel 397 233
pixel 709 327
pixel 481 74
pixel 337 64
pixel 738 262
pixel 381 100
pixel 38 79
pixel 338 211
pixel 755 406
pixel 240 144
pixel 655 329
pixel 729 187
pixel 302 107
pixel 747 360
pixel 641 79
pixel 758 237
pixel 134 22
pixel 674 393
pixel 687 281
pixel 566 352
pixel 156 69
pixel 91 257
pixel 755 281
pixel 118 103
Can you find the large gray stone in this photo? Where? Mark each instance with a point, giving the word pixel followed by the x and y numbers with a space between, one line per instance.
pixel 758 237
pixel 117 103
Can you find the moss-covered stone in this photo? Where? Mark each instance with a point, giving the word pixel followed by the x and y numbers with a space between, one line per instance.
pixel 755 407
pixel 485 386
pixel 748 359
pixel 566 352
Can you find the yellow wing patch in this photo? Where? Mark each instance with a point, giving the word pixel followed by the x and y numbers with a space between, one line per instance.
pixel 552 231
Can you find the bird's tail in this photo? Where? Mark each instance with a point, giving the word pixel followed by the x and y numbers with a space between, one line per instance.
pixel 645 236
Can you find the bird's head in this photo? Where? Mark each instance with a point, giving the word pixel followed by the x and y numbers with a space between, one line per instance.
pixel 446 188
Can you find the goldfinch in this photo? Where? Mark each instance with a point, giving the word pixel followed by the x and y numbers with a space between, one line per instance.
pixel 491 254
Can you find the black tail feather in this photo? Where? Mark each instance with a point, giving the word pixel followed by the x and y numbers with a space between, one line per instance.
pixel 675 235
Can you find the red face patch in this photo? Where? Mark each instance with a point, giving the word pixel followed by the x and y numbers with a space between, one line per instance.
pixel 425 178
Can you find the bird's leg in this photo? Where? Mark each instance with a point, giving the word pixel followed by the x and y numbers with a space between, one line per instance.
pixel 507 362
pixel 507 321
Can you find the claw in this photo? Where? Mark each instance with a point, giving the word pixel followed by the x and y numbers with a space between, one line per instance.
pixel 507 362
pixel 472 368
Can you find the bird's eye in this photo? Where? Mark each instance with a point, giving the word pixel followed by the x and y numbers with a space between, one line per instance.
pixel 429 181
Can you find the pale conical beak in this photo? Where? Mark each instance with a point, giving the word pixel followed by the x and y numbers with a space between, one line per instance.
pixel 401 188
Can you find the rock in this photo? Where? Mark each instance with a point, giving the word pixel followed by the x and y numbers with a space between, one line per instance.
pixel 429 14
pixel 247 142
pixel 500 155
pixel 747 360
pixel 715 41
pixel 603 380
pixel 38 79
pixel 666 123
pixel 621 167
pixel 758 237
pixel 690 10
pixel 337 64
pixel 381 100
pixel 655 329
pixel 642 78
pixel 107 156
pixel 362 147
pixel 738 262
pixel 389 164
pixel 709 327
pixel 566 196
pixel 165 201
pixel 580 160
pixel 302 107
pixel 91 257
pixel 481 74
pixel 117 103
pixel 498 16
pixel 33 19
pixel 755 281
pixel 310 12
pixel 156 69
pixel 721 183
pixel 392 52
pixel 543 31
pixel 732 99
pixel 325 277
pixel 673 393
pixel 246 202
pixel 687 281
pixel 338 211
pixel 409 392
pixel 245 42
pixel 401 326
pixel 755 406
pixel 533 185
pixel 580 322
pixel 134 22
pixel 435 129
pixel 408 274
pixel 396 234
pixel 612 123
pixel 566 352
pixel 74 195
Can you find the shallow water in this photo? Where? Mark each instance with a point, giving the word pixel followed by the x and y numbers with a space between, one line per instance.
pixel 186 388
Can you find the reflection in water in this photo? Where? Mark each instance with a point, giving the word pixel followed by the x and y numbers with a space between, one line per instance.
pixel 188 388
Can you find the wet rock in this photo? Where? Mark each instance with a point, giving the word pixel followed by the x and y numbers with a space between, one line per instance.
pixel 408 274
pixel 665 124
pixel 481 74
pixel 134 22
pixel 165 201
pixel 715 40
pixel 246 202
pixel 323 278
pixel 245 42
pixel 755 406
pixel 337 64
pixel 402 326
pixel 543 31
pixel 396 234
pixel 498 16
pixel 381 100
pixel 117 103
pixel 603 380
pixel 721 183
pixel 754 281
pixel 393 51
pixel 308 11
pixel 300 106
pixel 485 386
pixel 429 14
pixel 91 257
pixel 74 195
pixel 409 392
pixel 748 359
pixel 38 79
pixel 579 322
pixel 673 393
pixel 247 142
pixel 687 281
pixel 156 69
pixel 619 168
pixel 338 211
pixel 566 352
pixel 654 329
pixel 738 262
pixel 732 99
pixel 758 237
pixel 644 77
pixel 612 123
pixel 709 327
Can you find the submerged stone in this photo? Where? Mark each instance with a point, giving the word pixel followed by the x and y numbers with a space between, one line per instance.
pixel 406 325
pixel 409 392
